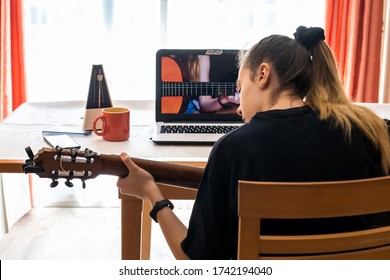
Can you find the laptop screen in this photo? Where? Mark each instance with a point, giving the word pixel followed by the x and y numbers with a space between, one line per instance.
pixel 196 85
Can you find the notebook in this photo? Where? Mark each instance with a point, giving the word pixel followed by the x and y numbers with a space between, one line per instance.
pixel 191 88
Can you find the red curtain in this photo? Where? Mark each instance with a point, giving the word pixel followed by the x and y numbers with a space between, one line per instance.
pixel 354 32
pixel 12 83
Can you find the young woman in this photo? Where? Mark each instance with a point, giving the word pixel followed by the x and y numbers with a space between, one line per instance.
pixel 300 126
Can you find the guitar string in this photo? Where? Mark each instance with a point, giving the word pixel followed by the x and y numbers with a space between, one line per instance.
pixel 63 169
pixel 176 88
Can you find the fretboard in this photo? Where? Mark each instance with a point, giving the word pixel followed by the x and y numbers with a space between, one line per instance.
pixel 198 88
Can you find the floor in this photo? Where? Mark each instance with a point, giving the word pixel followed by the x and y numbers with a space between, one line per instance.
pixel 64 233
pixel 76 224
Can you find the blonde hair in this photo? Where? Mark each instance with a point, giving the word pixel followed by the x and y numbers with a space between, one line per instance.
pixel 311 71
pixel 326 94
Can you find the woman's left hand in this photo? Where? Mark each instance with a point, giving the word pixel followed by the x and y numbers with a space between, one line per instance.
pixel 138 182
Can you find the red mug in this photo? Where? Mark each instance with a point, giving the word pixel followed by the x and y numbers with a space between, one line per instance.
pixel 115 124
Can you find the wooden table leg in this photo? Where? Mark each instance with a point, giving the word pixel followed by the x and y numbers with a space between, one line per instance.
pixel 131 227
pixel 146 231
pixel 136 223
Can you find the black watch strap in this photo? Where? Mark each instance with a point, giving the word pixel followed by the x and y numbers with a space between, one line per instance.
pixel 158 206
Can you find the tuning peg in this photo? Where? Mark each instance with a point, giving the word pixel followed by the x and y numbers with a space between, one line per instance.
pixel 88 154
pixel 29 153
pixel 84 185
pixel 68 183
pixel 30 168
pixel 73 153
pixel 53 184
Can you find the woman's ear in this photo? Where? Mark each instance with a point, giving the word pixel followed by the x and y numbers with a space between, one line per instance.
pixel 263 75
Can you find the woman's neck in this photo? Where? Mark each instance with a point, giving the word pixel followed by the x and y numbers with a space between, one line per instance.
pixel 286 100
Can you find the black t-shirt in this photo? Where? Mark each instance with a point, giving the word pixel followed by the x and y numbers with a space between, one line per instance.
pixel 277 145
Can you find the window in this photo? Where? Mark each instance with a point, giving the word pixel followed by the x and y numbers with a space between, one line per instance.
pixel 63 39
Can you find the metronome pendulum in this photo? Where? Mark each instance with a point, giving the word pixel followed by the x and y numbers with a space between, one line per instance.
pixel 100 96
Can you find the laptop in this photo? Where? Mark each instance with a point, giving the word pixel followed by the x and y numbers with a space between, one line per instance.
pixel 196 98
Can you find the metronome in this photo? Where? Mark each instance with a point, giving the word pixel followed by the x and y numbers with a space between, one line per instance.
pixel 98 96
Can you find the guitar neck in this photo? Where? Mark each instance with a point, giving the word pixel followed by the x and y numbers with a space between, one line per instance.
pixel 162 172
pixel 198 88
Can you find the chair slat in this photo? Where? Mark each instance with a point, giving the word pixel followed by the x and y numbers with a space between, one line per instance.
pixel 381 253
pixel 324 199
pixel 324 243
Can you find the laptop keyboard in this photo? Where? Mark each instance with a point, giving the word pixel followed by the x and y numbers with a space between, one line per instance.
pixel 197 129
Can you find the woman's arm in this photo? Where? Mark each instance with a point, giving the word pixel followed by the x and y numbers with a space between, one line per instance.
pixel 141 184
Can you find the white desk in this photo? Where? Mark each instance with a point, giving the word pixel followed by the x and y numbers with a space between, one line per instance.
pixel 24 126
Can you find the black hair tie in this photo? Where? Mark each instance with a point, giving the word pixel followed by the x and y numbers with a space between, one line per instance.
pixel 308 37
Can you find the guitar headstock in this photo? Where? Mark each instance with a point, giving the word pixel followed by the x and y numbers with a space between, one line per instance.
pixel 59 163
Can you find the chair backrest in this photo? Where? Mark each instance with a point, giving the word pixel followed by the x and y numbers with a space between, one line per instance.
pixel 259 200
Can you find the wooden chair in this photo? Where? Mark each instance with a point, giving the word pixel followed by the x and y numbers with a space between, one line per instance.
pixel 258 200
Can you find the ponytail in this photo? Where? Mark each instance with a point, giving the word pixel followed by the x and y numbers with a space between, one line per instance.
pixel 326 95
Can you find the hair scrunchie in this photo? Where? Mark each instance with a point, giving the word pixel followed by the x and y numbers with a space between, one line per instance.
pixel 308 37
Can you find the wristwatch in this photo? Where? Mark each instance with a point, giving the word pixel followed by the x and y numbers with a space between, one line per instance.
pixel 158 206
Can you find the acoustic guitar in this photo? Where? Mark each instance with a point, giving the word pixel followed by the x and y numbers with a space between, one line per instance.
pixel 176 90
pixel 69 164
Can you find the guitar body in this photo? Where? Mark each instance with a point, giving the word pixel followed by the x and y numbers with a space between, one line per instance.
pixel 171 72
